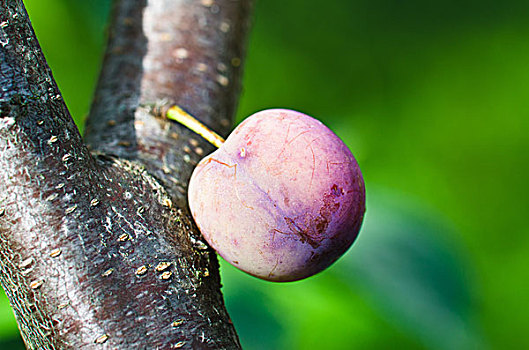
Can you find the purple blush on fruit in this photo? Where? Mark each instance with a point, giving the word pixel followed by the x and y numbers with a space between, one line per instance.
pixel 282 199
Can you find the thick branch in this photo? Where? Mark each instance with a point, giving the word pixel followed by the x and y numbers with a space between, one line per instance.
pixel 101 251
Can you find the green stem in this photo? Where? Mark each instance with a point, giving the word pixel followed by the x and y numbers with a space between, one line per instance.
pixel 179 115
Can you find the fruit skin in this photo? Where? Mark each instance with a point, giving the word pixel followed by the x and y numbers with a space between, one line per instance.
pixel 281 199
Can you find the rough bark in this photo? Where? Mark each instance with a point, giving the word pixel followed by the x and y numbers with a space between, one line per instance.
pixel 97 249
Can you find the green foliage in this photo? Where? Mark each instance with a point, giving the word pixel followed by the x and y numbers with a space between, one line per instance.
pixel 432 99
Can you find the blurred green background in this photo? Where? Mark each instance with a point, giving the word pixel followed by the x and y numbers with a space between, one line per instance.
pixel 432 97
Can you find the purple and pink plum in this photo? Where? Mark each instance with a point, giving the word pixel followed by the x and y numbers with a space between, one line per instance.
pixel 282 199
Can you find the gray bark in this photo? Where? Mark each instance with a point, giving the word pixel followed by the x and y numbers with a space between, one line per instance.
pixel 97 247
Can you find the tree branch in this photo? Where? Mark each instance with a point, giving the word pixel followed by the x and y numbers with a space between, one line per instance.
pixel 100 250
pixel 183 52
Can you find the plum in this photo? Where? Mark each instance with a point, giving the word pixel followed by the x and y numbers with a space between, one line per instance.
pixel 281 199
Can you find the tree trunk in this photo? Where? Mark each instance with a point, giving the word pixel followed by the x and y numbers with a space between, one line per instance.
pixel 97 247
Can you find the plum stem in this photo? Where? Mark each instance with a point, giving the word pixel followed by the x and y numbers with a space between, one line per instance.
pixel 177 114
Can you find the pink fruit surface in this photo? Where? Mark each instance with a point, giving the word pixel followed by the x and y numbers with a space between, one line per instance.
pixel 281 199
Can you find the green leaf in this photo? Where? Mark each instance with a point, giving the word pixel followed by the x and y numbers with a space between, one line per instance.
pixel 407 263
